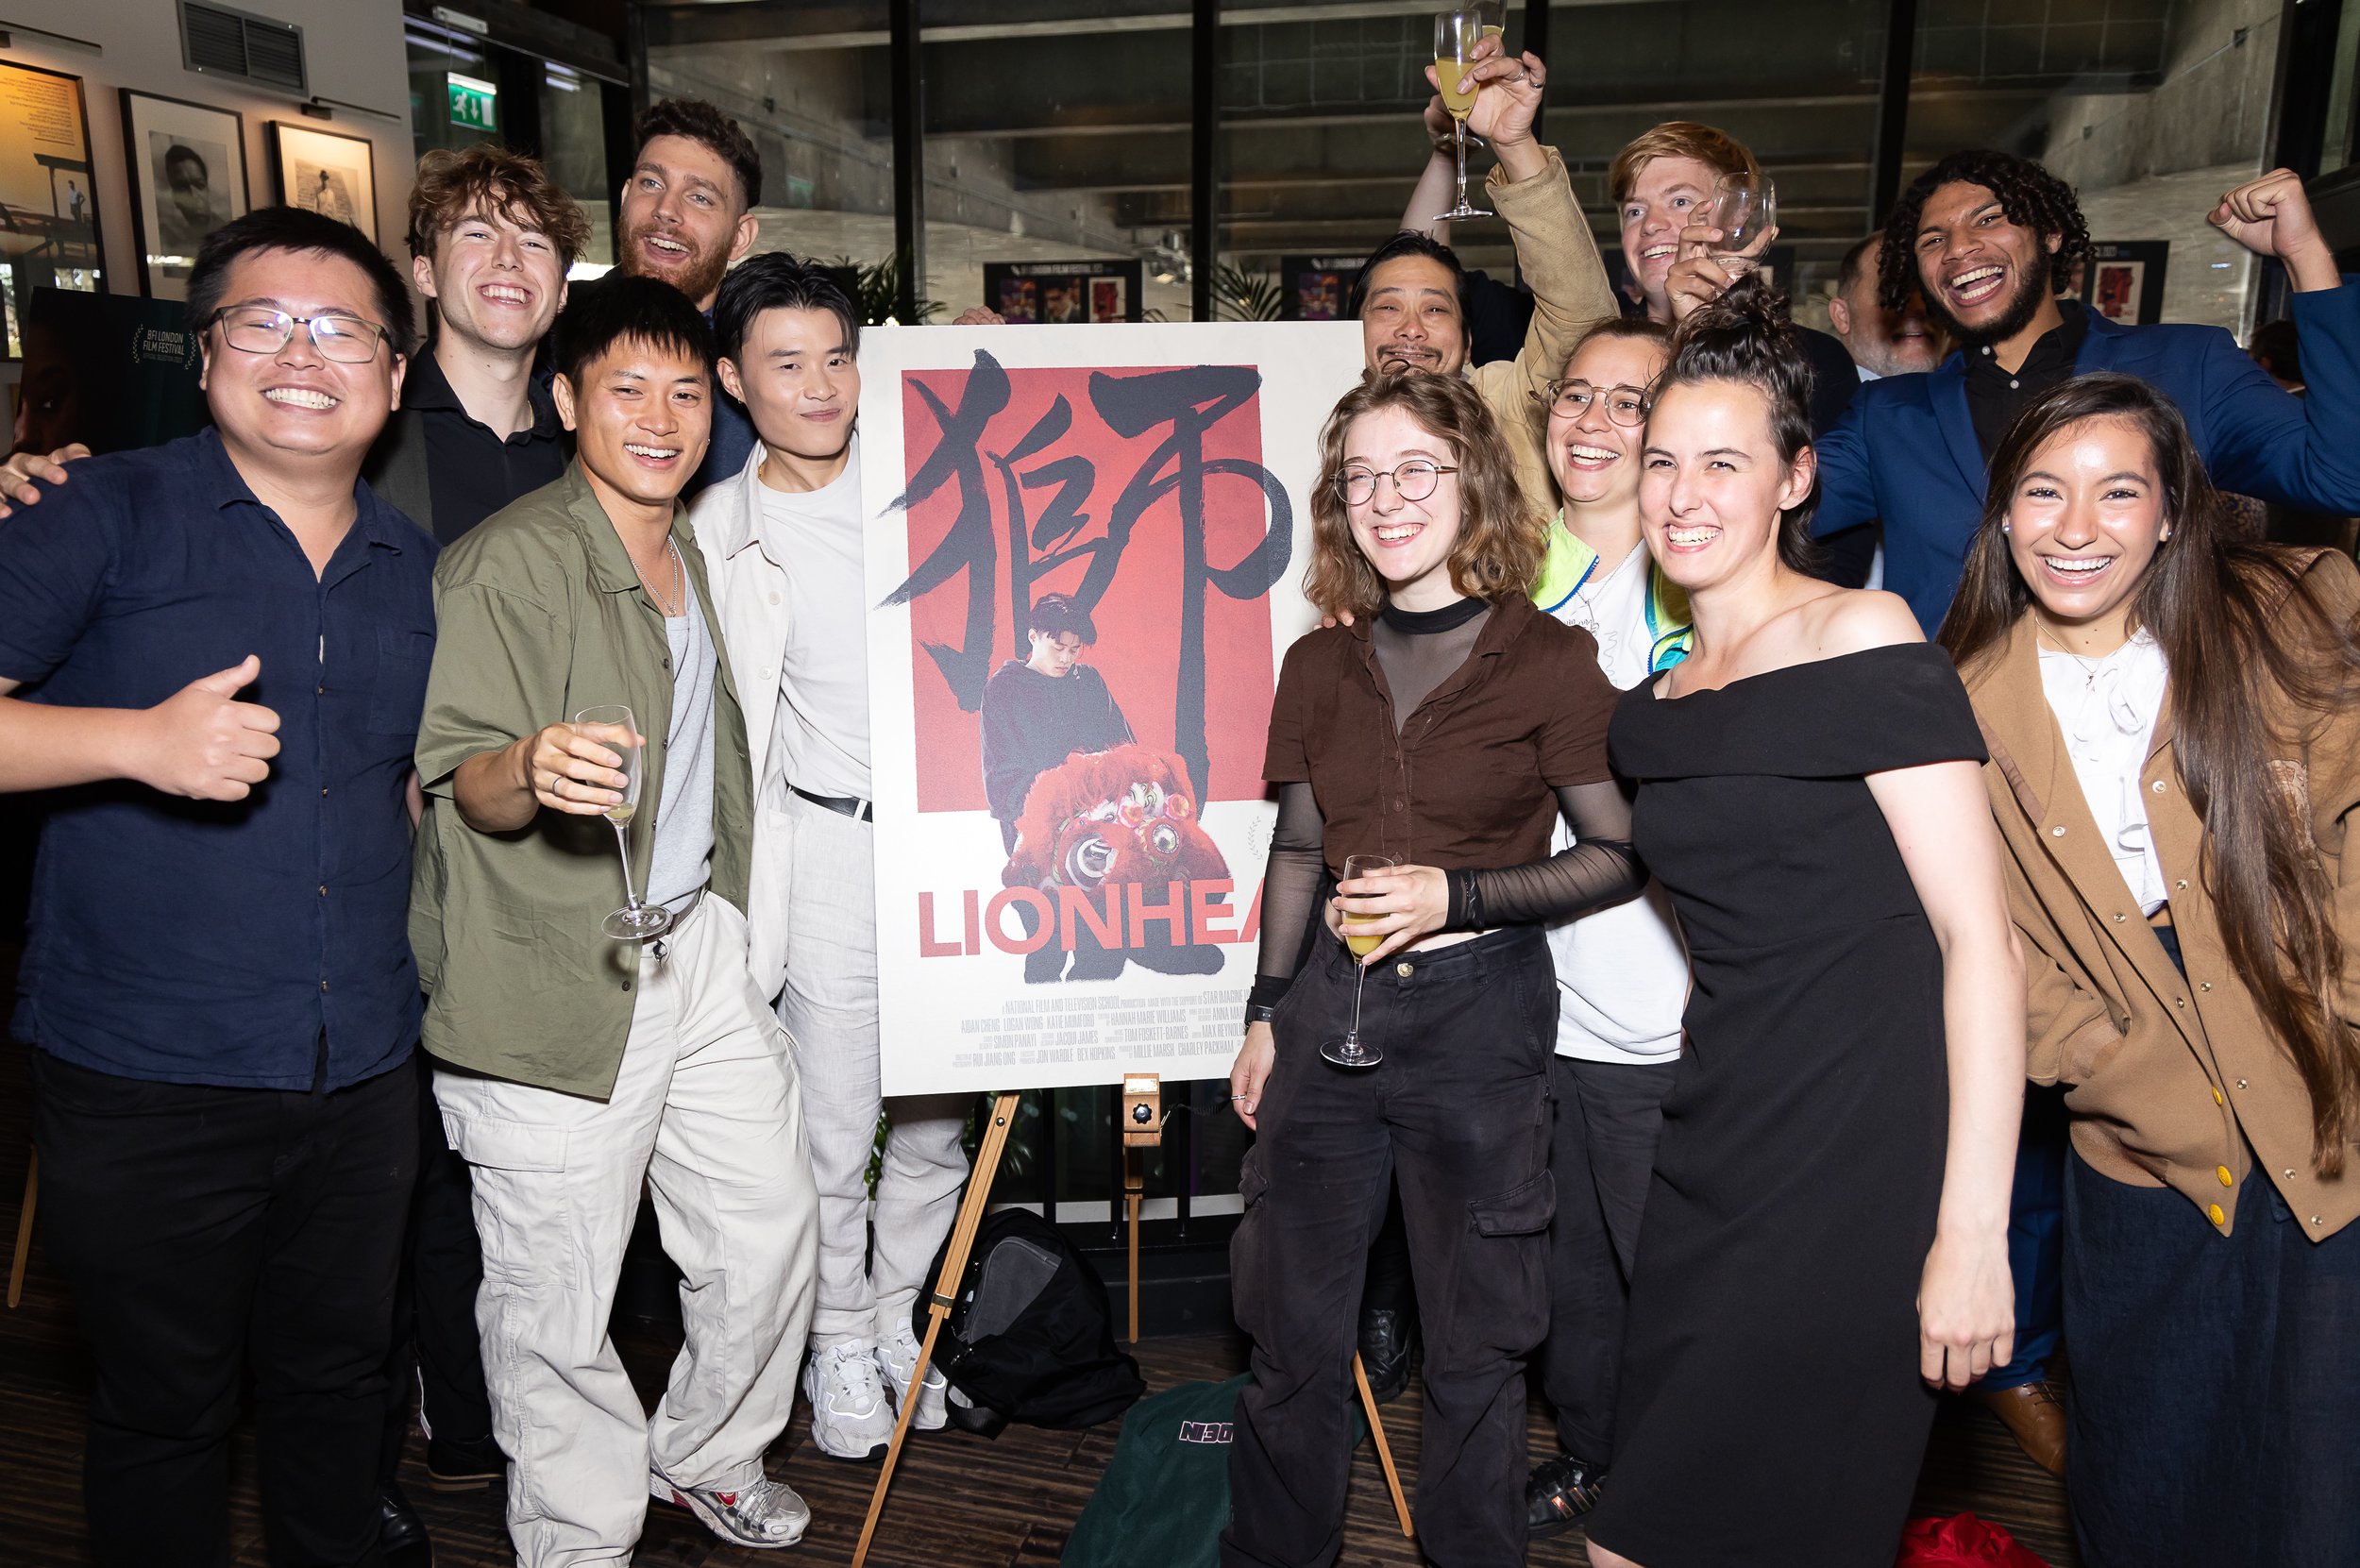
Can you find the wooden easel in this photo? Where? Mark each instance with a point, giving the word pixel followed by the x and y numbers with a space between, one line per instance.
pixel 954 1267
pixel 946 1293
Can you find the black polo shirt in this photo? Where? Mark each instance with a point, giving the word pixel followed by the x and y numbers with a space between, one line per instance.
pixel 473 470
pixel 1996 396
pixel 221 942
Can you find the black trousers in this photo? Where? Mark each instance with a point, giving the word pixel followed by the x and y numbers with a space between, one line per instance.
pixel 436 1343
pixel 206 1233
pixel 1458 1113
pixel 1602 1155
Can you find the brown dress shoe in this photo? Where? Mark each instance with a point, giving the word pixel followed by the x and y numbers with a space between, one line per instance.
pixel 2036 1413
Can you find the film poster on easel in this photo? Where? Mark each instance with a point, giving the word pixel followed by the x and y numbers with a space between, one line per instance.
pixel 1071 817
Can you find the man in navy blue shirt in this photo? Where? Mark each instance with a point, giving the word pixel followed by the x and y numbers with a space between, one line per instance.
pixel 214 656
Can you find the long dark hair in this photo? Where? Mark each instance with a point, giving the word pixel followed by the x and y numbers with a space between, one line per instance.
pixel 2244 631
pixel 1748 337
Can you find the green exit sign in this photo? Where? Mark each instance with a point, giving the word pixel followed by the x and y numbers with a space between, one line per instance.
pixel 473 104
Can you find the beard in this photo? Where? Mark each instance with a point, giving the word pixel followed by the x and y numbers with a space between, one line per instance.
pixel 2031 287
pixel 696 278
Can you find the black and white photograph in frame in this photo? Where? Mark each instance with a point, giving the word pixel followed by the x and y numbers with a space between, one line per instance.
pixel 187 178
pixel 324 172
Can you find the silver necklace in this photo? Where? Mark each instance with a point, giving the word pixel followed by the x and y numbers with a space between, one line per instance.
pixel 677 602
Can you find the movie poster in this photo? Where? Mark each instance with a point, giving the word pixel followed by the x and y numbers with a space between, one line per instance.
pixel 1063 293
pixel 1316 288
pixel 1084 558
pixel 2123 279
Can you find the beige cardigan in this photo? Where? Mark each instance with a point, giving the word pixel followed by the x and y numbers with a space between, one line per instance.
pixel 2171 1076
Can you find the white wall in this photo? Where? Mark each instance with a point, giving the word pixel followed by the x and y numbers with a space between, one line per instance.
pixel 353 51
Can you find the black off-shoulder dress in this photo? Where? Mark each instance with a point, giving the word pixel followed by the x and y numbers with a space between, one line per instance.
pixel 1770 1410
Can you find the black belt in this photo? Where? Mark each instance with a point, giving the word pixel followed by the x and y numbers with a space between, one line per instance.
pixel 843 806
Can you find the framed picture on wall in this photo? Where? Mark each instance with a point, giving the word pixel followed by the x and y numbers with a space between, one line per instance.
pixel 50 238
pixel 323 172
pixel 187 178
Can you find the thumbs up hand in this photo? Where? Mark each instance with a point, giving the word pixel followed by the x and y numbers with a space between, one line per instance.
pixel 201 742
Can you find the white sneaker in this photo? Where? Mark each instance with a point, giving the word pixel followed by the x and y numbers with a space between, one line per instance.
pixel 897 1357
pixel 765 1515
pixel 849 1416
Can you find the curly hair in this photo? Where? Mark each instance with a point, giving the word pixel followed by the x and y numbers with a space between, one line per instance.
pixel 2028 193
pixel 490 182
pixel 700 122
pixel 1502 541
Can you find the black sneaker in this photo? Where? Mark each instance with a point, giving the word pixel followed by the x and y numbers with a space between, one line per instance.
pixel 1388 1339
pixel 1560 1492
pixel 463 1466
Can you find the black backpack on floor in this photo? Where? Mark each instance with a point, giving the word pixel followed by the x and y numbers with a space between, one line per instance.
pixel 1030 1337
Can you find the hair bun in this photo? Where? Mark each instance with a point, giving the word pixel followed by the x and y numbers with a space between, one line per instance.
pixel 1747 329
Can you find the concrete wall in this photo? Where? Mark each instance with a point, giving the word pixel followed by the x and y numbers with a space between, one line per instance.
pixel 2212 108
pixel 352 50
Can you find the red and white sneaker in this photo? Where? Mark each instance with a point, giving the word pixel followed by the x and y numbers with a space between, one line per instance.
pixel 765 1515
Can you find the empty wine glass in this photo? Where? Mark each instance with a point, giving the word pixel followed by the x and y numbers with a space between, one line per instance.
pixel 1745 210
pixel 1350 1050
pixel 618 732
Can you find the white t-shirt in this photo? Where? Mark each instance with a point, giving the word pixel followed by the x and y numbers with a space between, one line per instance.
pixel 2106 709
pixel 821 732
pixel 1622 973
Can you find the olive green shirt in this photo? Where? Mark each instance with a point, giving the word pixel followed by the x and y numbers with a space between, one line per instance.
pixel 540 614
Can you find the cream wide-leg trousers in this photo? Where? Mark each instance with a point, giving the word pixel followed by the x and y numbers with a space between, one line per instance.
pixel 707 1109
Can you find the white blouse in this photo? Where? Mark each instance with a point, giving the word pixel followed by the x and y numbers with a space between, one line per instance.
pixel 2107 709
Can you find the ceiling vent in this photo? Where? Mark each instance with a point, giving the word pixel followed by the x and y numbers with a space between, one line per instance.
pixel 223 43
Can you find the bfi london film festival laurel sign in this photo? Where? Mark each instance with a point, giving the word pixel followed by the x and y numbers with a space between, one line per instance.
pixel 1094 905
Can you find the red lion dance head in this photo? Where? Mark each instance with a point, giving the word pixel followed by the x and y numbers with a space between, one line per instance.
pixel 1112 817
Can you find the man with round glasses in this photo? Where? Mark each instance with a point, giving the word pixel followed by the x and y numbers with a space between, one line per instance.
pixel 229 636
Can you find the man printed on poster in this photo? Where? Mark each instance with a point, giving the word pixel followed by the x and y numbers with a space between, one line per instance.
pixel 1081 804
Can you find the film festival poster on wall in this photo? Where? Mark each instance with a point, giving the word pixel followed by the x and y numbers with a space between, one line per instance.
pixel 323 172
pixel 1316 288
pixel 47 196
pixel 187 178
pixel 1060 293
pixel 1072 840
pixel 2123 279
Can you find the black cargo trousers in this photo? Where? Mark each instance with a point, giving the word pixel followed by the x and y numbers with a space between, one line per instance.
pixel 1460 1112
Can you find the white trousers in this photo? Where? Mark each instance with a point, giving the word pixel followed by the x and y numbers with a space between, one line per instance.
pixel 706 1110
pixel 830 1006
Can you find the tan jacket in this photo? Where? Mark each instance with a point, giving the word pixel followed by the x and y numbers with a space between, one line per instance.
pixel 1559 258
pixel 2171 1077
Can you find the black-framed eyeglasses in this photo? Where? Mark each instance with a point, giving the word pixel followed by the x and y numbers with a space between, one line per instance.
pixel 337 335
pixel 1625 405
pixel 1414 481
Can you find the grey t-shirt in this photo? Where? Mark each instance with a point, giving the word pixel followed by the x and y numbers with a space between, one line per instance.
pixel 682 858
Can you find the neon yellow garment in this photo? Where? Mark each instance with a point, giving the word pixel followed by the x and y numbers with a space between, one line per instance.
pixel 1569 564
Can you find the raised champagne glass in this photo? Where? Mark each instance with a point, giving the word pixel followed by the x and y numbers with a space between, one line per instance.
pixel 1350 1050
pixel 1455 37
pixel 613 727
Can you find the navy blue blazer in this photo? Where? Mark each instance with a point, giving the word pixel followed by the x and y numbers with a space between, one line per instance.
pixel 1905 451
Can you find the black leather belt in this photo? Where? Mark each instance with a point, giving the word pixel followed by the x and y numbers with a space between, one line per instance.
pixel 843 806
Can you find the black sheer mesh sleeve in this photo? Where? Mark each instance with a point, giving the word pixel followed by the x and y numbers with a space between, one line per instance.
pixel 1291 886
pixel 1598 869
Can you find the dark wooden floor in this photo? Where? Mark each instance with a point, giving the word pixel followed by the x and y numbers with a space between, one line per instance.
pixel 959 1501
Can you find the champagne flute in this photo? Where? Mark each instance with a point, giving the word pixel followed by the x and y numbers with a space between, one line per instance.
pixel 637 921
pixel 1455 36
pixel 1350 1050
pixel 1746 211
